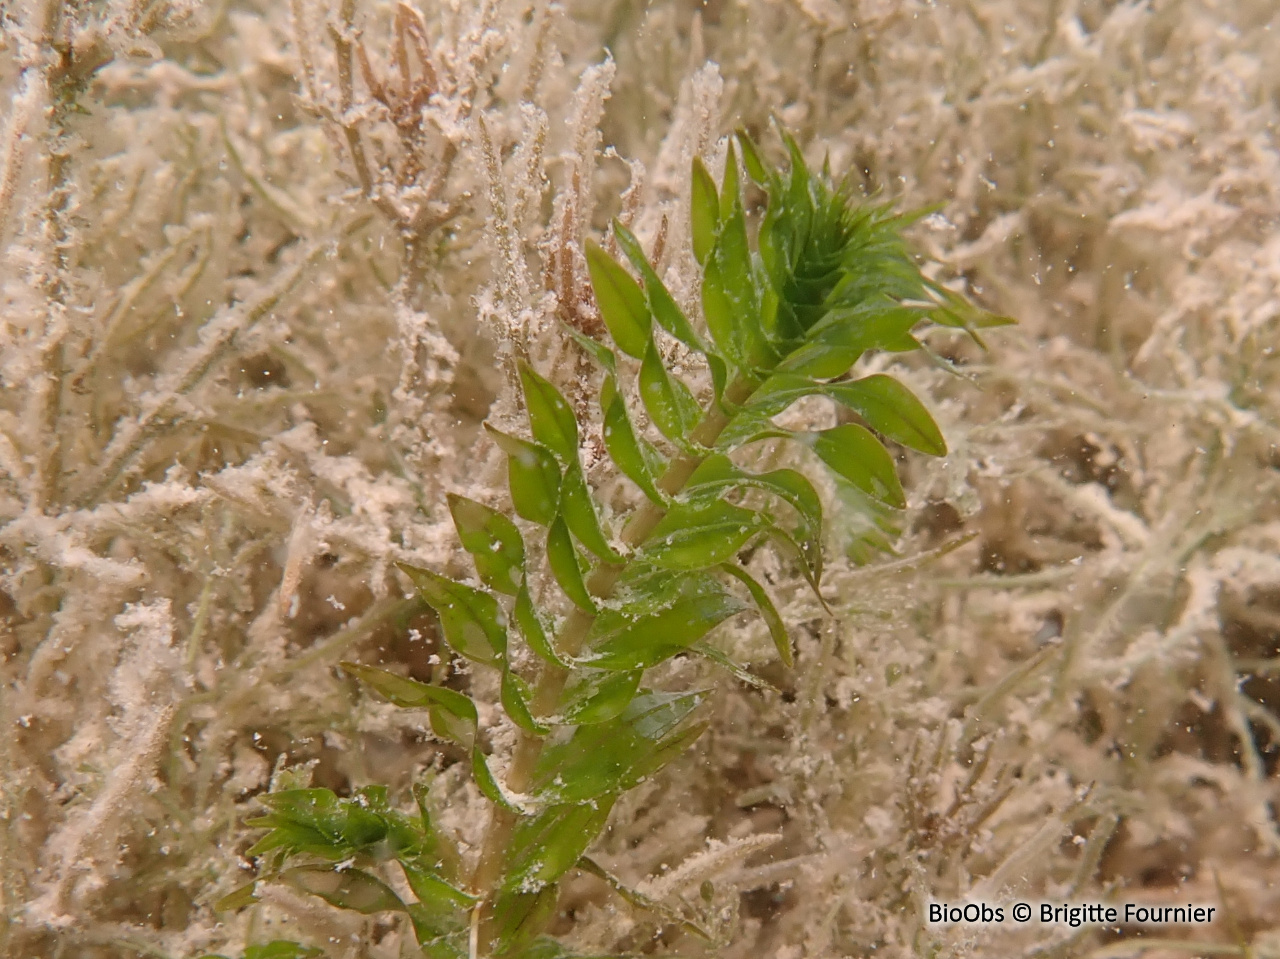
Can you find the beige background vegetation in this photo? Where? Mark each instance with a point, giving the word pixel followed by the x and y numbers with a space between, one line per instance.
pixel 263 266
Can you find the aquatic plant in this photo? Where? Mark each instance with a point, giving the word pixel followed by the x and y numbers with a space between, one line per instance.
pixel 828 281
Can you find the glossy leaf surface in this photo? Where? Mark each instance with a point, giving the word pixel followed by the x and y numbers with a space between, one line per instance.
pixel 345 888
pixel 471 619
pixel 626 450
pixel 493 541
pixel 623 304
pixel 855 454
pixel 547 845
pixel 700 535
pixel 562 556
pixel 533 477
pixel 612 757
pixel 666 399
pixel 550 416
pixel 579 512
pixel 655 627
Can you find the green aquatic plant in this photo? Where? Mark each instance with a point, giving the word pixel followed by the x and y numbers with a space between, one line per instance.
pixel 827 280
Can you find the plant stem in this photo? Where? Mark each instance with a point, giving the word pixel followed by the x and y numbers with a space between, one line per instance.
pixel 573 634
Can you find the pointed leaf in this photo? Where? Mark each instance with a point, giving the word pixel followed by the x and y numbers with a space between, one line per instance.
pixel 613 757
pixel 854 453
pixel 719 311
pixel 625 449
pixel 699 536
pixel 768 612
pixel 492 540
pixel 533 475
pixel 893 410
pixel 546 846
pixel 640 635
pixel 486 782
pixel 346 888
pixel 661 302
pixel 833 350
pixel 453 715
pixel 757 168
pixel 550 416
pixel 667 400
pixel 535 634
pixel 440 913
pixel 704 207
pixel 580 516
pixel 238 898
pixel 597 351
pixel 730 197
pixel 412 694
pixel 707 651
pixel 562 556
pixel 515 702
pixel 598 696
pixel 473 623
pixel 622 303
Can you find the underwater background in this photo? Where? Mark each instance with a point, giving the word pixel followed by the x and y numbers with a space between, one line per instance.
pixel 260 268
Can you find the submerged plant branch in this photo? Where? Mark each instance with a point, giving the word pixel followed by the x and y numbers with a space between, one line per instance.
pixel 827 281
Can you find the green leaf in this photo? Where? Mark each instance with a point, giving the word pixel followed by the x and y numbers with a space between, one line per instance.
pixel 718 474
pixel 869 526
pixel 730 195
pixel 345 888
pixel 550 416
pixel 562 556
pixel 644 632
pixel 453 715
pixel 668 402
pixel 580 516
pixel 238 898
pixel 612 757
pixel 533 475
pixel 486 782
pixel 810 565
pixel 492 540
pixel 768 612
pixel 848 334
pixel 704 207
pixel 700 535
pixel 598 695
pixel 282 949
pixel 515 702
pixel 520 916
pixel 546 846
pixel 662 304
pixel 854 452
pixel 757 168
pixel 729 279
pixel 622 303
pixel 435 895
pixel 473 623
pixel 707 651
pixel 722 319
pixel 535 634
pixel 626 451
pixel 882 401
pixel 893 410
pixel 598 351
